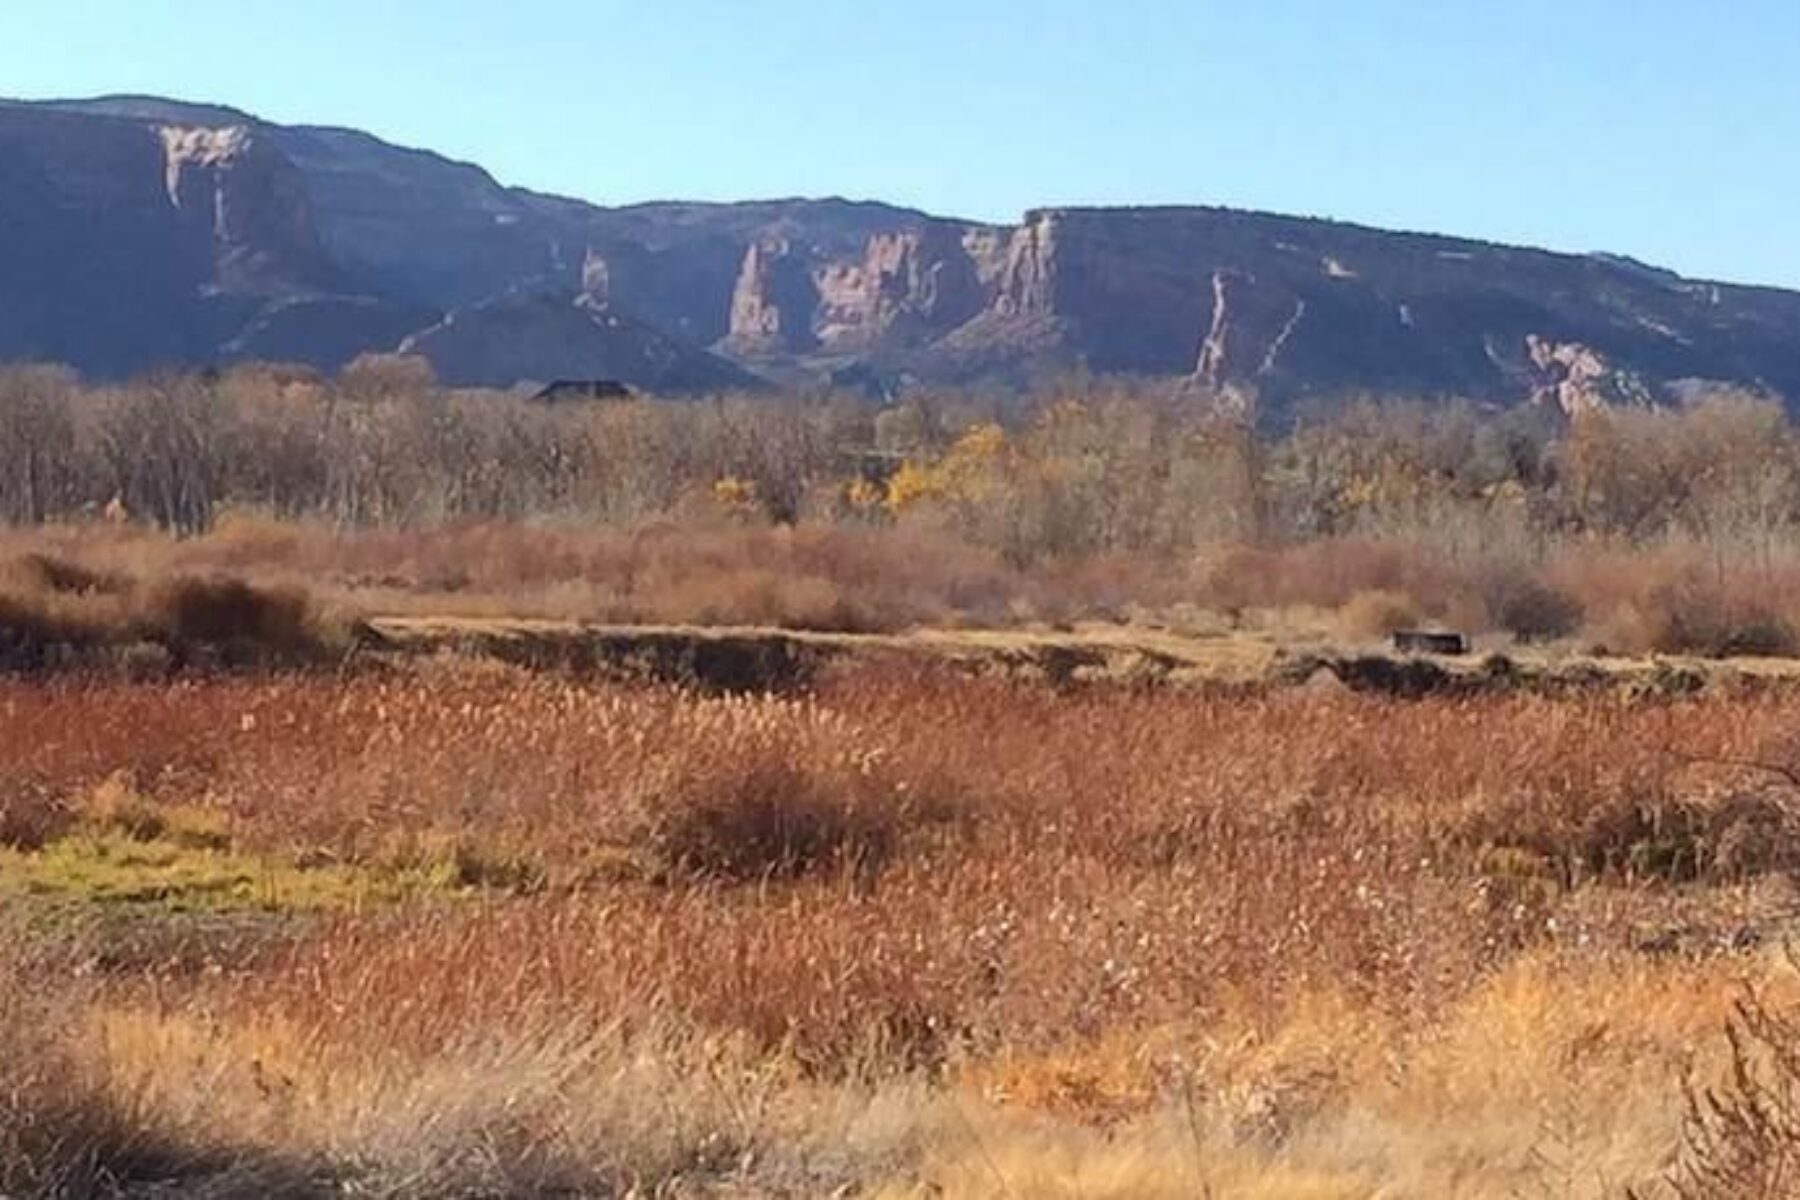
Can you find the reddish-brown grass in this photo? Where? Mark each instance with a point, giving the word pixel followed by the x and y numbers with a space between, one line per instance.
pixel 58 613
pixel 64 582
pixel 902 876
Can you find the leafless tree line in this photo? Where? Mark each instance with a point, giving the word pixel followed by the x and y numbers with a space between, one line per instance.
pixel 1078 471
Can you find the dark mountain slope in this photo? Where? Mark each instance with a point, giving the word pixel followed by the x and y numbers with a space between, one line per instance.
pixel 136 231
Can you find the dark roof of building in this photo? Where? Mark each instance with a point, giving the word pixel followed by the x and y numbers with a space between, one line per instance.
pixel 584 389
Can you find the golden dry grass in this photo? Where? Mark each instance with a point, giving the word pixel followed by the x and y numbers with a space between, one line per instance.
pixel 907 931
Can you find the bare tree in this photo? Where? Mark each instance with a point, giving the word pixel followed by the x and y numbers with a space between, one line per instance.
pixel 37 443
pixel 162 443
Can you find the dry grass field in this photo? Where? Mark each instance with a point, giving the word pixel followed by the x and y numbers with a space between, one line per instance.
pixel 447 926
pixel 414 793
pixel 520 859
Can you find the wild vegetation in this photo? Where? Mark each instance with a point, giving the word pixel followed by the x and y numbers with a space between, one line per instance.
pixel 473 930
pixel 281 917
pixel 1627 530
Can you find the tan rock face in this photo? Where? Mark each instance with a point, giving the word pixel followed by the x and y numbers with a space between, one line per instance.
pixel 596 276
pixel 1274 306
pixel 1251 327
pixel 1027 275
pixel 906 287
pixel 137 243
pixel 773 305
pixel 1577 378
pixel 188 153
pixel 144 231
pixel 909 286
pixel 252 202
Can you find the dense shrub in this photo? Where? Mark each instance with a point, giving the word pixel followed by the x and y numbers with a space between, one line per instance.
pixel 755 810
pixel 55 613
pixel 1704 619
pixel 1527 607
pixel 230 614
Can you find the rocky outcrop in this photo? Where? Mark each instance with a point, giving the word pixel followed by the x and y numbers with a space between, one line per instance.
pixel 251 203
pixel 1289 307
pixel 1250 329
pixel 1576 379
pixel 128 243
pixel 773 303
pixel 910 287
pixel 96 268
pixel 1025 269
pixel 149 233
pixel 900 289
pixel 136 232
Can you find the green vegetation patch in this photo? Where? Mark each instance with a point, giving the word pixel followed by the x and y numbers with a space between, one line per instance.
pixel 111 868
pixel 114 848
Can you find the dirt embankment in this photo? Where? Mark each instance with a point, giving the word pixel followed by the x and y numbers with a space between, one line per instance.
pixel 754 659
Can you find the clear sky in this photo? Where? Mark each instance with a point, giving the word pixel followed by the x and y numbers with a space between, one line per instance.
pixel 1665 129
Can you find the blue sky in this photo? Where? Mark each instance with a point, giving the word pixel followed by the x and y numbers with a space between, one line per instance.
pixel 1663 129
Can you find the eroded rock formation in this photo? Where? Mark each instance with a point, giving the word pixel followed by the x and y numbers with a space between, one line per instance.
pixel 137 232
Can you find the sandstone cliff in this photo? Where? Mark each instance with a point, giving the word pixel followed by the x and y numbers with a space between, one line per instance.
pixel 1282 306
pixel 231 186
pixel 137 231
pixel 127 244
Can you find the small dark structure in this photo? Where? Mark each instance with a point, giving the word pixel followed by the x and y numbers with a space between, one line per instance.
pixel 583 389
pixel 1428 641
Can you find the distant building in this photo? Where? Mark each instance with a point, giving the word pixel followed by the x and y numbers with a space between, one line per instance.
pixel 584 389
pixel 1430 641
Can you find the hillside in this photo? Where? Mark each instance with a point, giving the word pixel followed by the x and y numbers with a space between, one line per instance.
pixel 138 232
